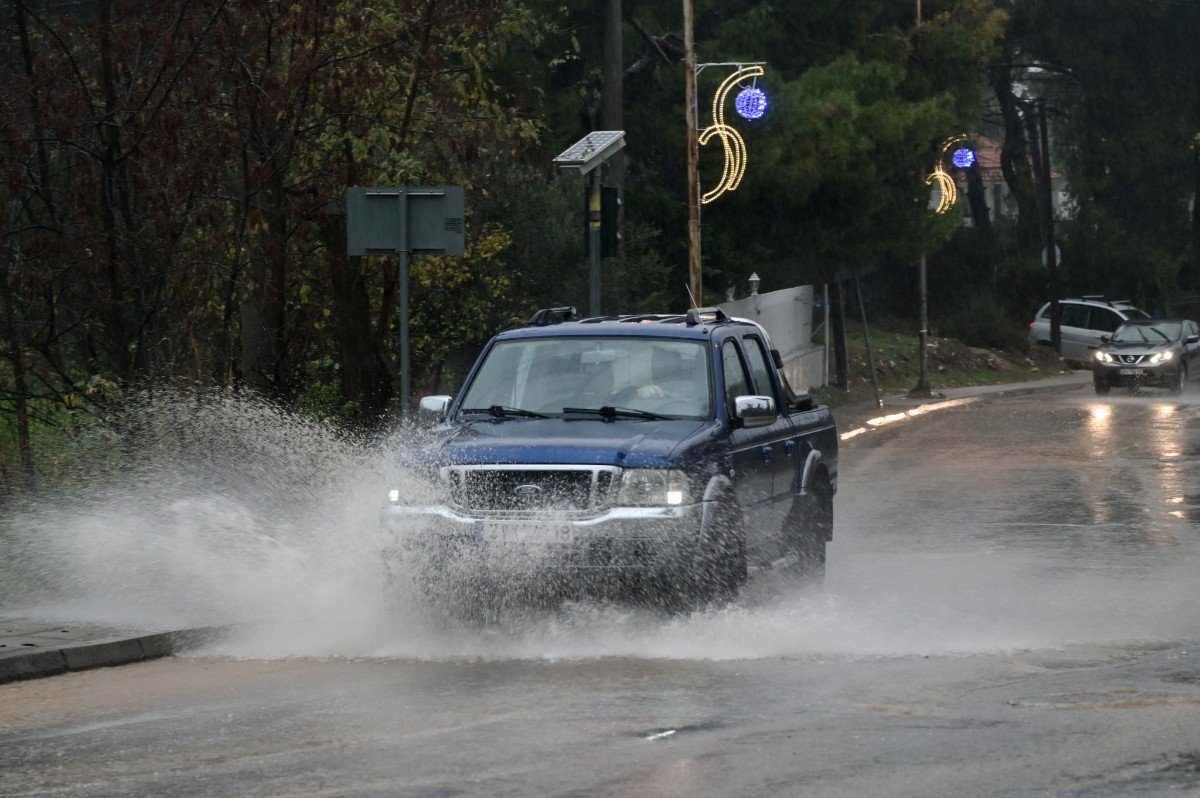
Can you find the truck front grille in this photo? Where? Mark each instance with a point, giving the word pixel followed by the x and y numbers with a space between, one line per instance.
pixel 507 489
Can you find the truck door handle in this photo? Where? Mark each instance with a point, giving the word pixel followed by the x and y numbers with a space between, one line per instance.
pixel 788 448
pixel 766 453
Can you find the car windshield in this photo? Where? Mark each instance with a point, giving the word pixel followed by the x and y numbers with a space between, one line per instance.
pixel 1152 333
pixel 588 378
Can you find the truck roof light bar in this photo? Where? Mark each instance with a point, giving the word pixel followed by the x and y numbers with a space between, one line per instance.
pixel 701 315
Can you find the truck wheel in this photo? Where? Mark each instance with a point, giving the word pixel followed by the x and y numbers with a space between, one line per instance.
pixel 811 529
pixel 719 565
pixel 731 568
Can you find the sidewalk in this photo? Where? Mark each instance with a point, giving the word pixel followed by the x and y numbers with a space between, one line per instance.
pixel 31 648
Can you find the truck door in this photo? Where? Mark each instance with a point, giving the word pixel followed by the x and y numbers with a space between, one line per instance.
pixel 784 455
pixel 755 453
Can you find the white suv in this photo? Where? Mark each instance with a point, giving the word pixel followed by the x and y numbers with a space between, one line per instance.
pixel 1083 322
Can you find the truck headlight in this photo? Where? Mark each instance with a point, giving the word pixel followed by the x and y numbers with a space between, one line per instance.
pixel 419 490
pixel 653 487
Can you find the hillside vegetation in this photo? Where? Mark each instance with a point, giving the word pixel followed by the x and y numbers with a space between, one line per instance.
pixel 895 353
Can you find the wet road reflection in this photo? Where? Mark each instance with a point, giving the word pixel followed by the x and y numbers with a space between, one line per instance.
pixel 1059 516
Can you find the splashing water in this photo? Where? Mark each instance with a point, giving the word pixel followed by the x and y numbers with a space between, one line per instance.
pixel 230 511
pixel 222 510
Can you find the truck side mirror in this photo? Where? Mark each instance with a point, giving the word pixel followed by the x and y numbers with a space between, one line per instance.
pixel 755 411
pixel 433 408
pixel 803 401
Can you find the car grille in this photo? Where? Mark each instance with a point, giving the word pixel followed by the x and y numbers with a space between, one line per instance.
pixel 520 490
pixel 1130 359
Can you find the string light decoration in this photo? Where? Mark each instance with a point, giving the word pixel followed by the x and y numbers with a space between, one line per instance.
pixel 751 103
pixel 731 140
pixel 963 158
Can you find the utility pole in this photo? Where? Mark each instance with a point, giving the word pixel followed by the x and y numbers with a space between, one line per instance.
pixel 695 286
pixel 1048 228
pixel 612 99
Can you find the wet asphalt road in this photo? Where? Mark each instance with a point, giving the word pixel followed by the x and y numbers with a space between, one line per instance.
pixel 1010 610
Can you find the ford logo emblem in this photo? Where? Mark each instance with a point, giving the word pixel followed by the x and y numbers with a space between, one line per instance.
pixel 527 491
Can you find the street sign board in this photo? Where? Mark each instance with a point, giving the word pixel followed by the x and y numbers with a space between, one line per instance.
pixel 419 220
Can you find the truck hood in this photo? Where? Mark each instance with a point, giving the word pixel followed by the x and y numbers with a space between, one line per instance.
pixel 587 441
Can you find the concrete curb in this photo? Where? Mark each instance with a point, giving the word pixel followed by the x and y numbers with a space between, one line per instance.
pixel 33 649
pixel 860 415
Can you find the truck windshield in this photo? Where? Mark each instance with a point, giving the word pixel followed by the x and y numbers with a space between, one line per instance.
pixel 661 377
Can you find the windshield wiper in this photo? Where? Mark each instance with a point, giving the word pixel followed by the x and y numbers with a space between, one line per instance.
pixel 608 411
pixel 500 411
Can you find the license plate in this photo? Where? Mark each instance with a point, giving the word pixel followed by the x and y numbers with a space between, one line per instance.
pixel 526 534
pixel 1131 372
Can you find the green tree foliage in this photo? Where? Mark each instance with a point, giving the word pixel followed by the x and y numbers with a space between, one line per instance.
pixel 173 172
pixel 861 100
pixel 1122 86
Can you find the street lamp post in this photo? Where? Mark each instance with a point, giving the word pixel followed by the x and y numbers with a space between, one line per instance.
pixel 751 103
pixel 922 389
pixel 948 195
pixel 584 157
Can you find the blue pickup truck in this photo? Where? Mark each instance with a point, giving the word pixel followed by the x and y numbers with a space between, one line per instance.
pixel 662 456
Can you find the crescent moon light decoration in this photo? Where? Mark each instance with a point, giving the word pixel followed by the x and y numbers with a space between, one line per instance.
pixel 731 140
pixel 946 188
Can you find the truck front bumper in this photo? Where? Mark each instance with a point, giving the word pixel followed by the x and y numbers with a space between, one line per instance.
pixel 639 539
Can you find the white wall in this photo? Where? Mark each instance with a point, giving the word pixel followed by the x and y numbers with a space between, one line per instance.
pixel 787 316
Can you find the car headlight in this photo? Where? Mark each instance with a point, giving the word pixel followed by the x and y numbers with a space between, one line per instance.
pixel 653 487
pixel 1103 357
pixel 1161 357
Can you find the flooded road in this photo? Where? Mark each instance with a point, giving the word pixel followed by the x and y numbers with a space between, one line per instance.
pixel 1009 610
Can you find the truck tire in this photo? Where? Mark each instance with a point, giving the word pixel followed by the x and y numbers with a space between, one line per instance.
pixel 730 573
pixel 718 569
pixel 811 529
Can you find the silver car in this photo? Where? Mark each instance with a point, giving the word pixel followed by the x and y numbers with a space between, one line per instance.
pixel 1083 322
pixel 1156 353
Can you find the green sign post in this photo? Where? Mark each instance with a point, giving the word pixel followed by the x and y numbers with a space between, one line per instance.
pixel 405 221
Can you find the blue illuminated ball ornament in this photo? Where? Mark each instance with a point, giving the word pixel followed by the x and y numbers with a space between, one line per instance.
pixel 963 158
pixel 751 103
